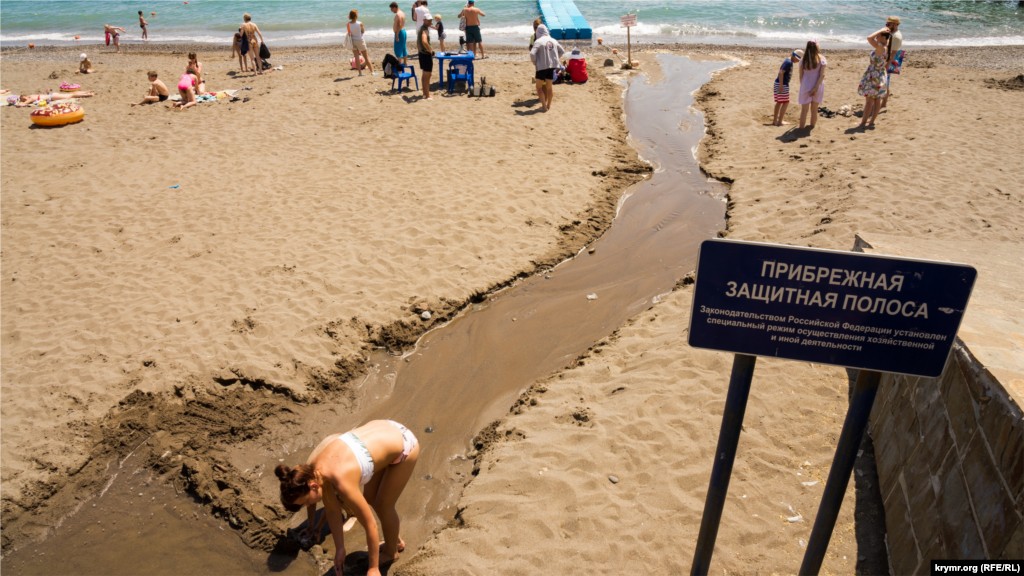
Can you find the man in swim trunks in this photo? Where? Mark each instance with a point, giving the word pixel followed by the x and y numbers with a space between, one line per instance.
pixel 367 467
pixel 112 31
pixel 401 39
pixel 143 24
pixel 426 55
pixel 157 91
pixel 474 41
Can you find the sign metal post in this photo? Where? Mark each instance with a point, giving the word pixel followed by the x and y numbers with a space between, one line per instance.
pixel 869 312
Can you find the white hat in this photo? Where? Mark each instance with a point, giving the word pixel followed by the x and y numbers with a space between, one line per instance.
pixel 426 16
pixel 82 56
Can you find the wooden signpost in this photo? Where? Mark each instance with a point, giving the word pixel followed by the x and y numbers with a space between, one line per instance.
pixel 628 21
pixel 869 312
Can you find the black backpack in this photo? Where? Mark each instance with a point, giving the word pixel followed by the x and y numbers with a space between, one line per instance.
pixel 390 66
pixel 264 51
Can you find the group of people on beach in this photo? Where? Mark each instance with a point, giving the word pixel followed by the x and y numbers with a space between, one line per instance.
pixel 885 60
pixel 191 86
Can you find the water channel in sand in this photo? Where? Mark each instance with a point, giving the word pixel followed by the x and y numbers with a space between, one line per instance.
pixel 460 377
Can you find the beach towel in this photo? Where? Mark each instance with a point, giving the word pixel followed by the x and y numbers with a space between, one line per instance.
pixel 245 44
pixel 390 66
pixel 897 63
pixel 211 97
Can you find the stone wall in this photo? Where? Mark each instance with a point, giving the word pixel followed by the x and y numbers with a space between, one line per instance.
pixel 950 454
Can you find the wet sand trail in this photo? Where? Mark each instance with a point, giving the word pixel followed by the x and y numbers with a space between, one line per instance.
pixel 457 380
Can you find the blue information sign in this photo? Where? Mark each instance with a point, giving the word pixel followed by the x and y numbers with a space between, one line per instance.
pixel 844 308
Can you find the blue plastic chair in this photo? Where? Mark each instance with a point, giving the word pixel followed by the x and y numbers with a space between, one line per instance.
pixel 454 76
pixel 403 76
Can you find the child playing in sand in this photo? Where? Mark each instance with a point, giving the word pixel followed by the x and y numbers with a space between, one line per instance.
pixel 186 88
pixel 781 89
pixel 84 65
pixel 440 31
pixel 157 91
pixel 143 24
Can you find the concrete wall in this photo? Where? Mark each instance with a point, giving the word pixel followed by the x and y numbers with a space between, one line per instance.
pixel 950 454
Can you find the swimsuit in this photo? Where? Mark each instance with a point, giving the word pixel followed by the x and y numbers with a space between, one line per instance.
pixel 186 82
pixel 365 460
pixel 162 97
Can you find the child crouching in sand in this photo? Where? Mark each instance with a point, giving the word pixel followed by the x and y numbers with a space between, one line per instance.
pixel 781 89
pixel 157 91
pixel 186 87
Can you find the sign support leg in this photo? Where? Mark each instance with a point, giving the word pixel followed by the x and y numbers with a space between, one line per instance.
pixel 629 47
pixel 842 465
pixel 725 454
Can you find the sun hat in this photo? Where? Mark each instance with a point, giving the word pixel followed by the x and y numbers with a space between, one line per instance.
pixel 426 16
pixel 798 53
pixel 893 19
pixel 82 56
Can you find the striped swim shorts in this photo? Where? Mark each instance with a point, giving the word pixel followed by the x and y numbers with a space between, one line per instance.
pixel 781 93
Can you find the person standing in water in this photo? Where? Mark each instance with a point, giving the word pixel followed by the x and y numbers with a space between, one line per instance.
pixel 143 24
pixel 361 471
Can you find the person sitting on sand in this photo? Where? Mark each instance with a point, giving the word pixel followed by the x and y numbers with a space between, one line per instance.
pixel 367 467
pixel 112 33
pixel 781 89
pixel 25 100
pixel 812 83
pixel 84 65
pixel 873 85
pixel 186 88
pixel 157 90
pixel 143 24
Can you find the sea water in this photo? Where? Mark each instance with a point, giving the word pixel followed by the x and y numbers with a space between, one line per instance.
pixel 839 23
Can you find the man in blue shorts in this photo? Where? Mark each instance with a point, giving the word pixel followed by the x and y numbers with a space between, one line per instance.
pixel 474 41
pixel 401 48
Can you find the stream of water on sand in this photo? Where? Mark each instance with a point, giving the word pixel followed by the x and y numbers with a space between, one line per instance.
pixel 460 378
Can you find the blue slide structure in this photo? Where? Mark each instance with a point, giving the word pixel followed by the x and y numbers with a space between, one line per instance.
pixel 564 20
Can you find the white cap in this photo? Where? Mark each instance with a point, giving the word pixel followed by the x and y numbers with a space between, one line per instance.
pixel 426 16
pixel 82 56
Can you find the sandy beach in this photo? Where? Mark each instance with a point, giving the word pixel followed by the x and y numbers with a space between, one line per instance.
pixel 247 257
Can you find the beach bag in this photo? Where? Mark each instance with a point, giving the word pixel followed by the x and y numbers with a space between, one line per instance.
pixel 897 63
pixel 348 37
pixel 390 66
pixel 462 21
pixel 264 51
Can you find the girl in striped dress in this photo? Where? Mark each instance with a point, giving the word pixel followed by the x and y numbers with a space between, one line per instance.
pixel 781 89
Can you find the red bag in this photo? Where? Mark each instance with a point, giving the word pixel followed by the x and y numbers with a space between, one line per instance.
pixel 108 38
pixel 578 70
